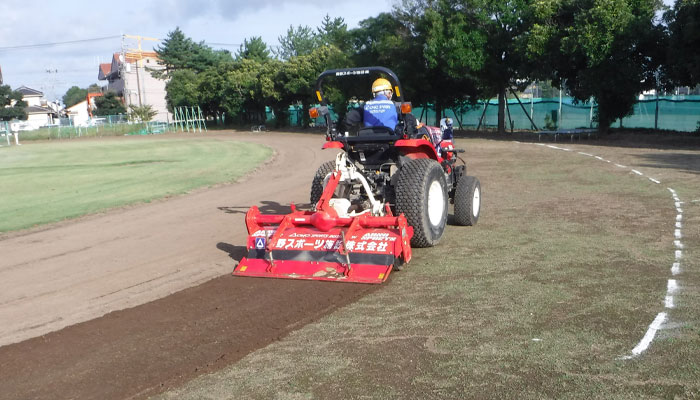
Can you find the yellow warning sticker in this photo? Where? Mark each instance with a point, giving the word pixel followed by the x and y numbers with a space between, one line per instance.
pixel 243 268
pixel 381 276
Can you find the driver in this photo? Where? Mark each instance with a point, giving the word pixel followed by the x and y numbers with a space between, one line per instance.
pixel 380 111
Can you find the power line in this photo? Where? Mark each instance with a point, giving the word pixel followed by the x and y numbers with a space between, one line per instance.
pixel 31 46
pixel 223 44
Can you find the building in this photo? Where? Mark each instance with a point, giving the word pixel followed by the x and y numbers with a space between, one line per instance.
pixel 39 111
pixel 78 113
pixel 128 75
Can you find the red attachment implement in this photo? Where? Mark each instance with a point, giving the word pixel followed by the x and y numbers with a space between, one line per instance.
pixel 321 245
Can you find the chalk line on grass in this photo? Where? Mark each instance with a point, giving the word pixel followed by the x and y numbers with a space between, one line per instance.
pixel 649 336
pixel 672 285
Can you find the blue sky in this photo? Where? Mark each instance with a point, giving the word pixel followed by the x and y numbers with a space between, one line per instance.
pixel 53 69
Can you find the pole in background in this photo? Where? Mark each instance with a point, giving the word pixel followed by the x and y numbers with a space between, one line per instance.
pixel 656 111
pixel 559 112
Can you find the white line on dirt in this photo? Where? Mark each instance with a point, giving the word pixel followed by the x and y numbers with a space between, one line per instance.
pixel 676 268
pixel 654 180
pixel 672 286
pixel 668 302
pixel 620 166
pixel 586 154
pixel 678 244
pixel 637 172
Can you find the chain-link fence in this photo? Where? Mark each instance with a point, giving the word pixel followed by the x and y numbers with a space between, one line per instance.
pixel 109 125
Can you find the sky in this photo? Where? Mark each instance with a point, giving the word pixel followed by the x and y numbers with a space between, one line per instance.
pixel 53 68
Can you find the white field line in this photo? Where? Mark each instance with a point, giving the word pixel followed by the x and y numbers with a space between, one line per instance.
pixel 672 286
pixel 649 336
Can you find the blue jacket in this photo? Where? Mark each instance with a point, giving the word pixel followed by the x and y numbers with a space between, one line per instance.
pixel 380 112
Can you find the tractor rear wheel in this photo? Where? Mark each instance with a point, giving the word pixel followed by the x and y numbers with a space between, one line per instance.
pixel 317 184
pixel 421 195
pixel 467 201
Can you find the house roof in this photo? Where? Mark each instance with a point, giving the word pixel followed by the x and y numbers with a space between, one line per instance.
pixel 29 91
pixel 38 110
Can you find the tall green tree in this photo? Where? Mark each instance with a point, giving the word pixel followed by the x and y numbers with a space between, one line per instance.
pixel 109 104
pixel 296 78
pixel 178 52
pixel 483 39
pixel 445 80
pixel 608 50
pixel 253 49
pixel 334 32
pixel 298 41
pixel 683 58
pixel 11 104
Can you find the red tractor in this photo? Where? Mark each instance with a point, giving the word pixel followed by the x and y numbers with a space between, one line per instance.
pixel 387 190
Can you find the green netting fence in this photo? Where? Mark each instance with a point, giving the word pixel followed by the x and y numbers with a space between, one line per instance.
pixel 678 113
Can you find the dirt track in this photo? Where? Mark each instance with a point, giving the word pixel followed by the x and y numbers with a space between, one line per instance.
pixel 76 272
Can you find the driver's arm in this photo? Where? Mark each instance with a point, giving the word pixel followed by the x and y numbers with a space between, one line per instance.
pixel 352 118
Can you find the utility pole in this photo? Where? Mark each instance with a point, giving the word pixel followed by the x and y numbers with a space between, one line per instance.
pixel 137 54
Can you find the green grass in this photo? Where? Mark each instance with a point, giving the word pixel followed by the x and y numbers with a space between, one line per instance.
pixel 48 182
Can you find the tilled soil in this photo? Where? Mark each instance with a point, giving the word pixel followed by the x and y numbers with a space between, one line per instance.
pixel 150 348
pixel 166 266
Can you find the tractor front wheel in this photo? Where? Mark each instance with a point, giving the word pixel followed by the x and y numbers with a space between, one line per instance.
pixel 467 201
pixel 421 195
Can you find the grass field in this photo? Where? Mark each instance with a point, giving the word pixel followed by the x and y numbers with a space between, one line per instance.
pixel 52 181
pixel 544 298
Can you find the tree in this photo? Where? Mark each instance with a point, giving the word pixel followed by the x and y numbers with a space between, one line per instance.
pixel 94 88
pixel 606 49
pixel 255 49
pixel 11 104
pixel 180 52
pixel 446 81
pixel 334 32
pixel 109 104
pixel 683 60
pixel 299 41
pixel 142 113
pixel 484 39
pixel 181 89
pixel 74 95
